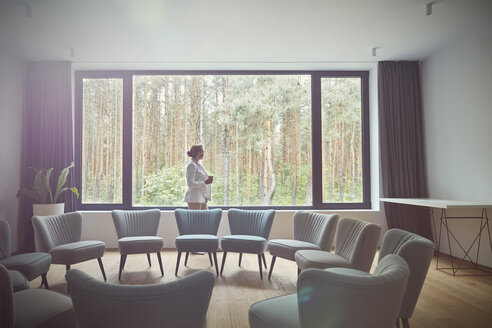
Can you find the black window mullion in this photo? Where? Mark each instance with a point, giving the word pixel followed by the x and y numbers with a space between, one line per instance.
pixel 127 139
pixel 316 140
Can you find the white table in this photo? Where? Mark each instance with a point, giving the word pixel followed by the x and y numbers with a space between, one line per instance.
pixel 444 205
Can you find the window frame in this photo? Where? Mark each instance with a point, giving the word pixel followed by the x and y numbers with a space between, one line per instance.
pixel 316 137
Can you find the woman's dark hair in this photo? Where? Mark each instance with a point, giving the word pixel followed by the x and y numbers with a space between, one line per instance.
pixel 194 150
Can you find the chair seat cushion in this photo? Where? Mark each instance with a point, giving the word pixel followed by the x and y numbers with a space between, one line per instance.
pixel 19 282
pixel 319 259
pixel 140 245
pixel 77 252
pixel 287 248
pixel 244 244
pixel 43 308
pixel 31 265
pixel 197 243
pixel 278 312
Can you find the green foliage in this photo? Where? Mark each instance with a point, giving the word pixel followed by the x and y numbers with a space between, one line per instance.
pixel 41 186
pixel 165 187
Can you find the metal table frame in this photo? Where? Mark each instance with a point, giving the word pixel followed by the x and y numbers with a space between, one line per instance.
pixel 456 264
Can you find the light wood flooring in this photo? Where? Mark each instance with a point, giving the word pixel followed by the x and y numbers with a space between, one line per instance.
pixel 446 301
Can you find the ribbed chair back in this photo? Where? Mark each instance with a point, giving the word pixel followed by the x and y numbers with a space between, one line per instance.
pixel 55 230
pixel 315 228
pixel 348 298
pixel 136 223
pixel 247 222
pixel 192 222
pixel 180 303
pixel 5 242
pixel 357 241
pixel 417 251
pixel 6 299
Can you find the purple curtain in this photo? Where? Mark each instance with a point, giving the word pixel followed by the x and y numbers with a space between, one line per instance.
pixel 402 145
pixel 47 134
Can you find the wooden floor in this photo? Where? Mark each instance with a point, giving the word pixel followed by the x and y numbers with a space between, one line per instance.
pixel 446 301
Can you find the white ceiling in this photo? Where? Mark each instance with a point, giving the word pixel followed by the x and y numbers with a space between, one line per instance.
pixel 234 31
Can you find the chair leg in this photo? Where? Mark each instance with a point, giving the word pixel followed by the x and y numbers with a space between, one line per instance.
pixel 216 264
pixel 210 258
pixel 405 323
pixel 148 259
pixel 160 263
pixel 240 258
pixel 122 265
pixel 264 261
pixel 260 266
pixel 44 281
pixel 186 258
pixel 101 266
pixel 223 261
pixel 177 264
pixel 298 271
pixel 271 266
pixel 67 267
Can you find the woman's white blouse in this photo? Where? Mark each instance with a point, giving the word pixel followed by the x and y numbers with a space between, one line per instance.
pixel 198 191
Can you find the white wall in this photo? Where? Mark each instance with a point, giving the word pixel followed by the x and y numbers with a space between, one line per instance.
pixel 12 81
pixel 457 94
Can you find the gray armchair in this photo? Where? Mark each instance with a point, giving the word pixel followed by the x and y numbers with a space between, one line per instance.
pixel 180 303
pixel 30 265
pixel 60 236
pixel 137 234
pixel 33 308
pixel 356 242
pixel 417 251
pixel 249 234
pixel 311 231
pixel 338 298
pixel 198 233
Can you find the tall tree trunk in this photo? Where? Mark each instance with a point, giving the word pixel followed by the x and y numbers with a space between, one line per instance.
pixel 352 155
pixel 341 158
pixel 143 141
pixel 294 157
pixel 271 172
pixel 225 142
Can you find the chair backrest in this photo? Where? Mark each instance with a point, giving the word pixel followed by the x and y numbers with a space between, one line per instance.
pixel 198 221
pixel 136 223
pixel 6 299
pixel 357 242
pixel 315 228
pixel 180 303
pixel 245 222
pixel 55 230
pixel 417 251
pixel 5 242
pixel 352 298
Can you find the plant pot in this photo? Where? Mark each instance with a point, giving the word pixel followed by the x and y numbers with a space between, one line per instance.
pixel 48 209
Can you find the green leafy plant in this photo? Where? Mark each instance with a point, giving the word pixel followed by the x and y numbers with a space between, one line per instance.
pixel 41 186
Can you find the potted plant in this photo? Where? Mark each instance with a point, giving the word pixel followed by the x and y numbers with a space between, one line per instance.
pixel 44 200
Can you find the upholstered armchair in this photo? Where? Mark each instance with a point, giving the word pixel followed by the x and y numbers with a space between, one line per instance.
pixel 417 251
pixel 60 236
pixel 33 308
pixel 249 234
pixel 338 298
pixel 311 231
pixel 198 233
pixel 180 303
pixel 356 242
pixel 137 234
pixel 30 265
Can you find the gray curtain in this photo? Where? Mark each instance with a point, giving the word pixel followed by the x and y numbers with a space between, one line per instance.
pixel 47 134
pixel 401 145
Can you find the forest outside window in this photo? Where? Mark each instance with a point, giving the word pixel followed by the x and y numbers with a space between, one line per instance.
pixel 261 132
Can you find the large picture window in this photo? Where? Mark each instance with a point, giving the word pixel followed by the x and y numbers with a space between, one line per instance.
pixel 277 139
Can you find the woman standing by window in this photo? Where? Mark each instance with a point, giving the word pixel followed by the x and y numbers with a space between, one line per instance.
pixel 199 191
